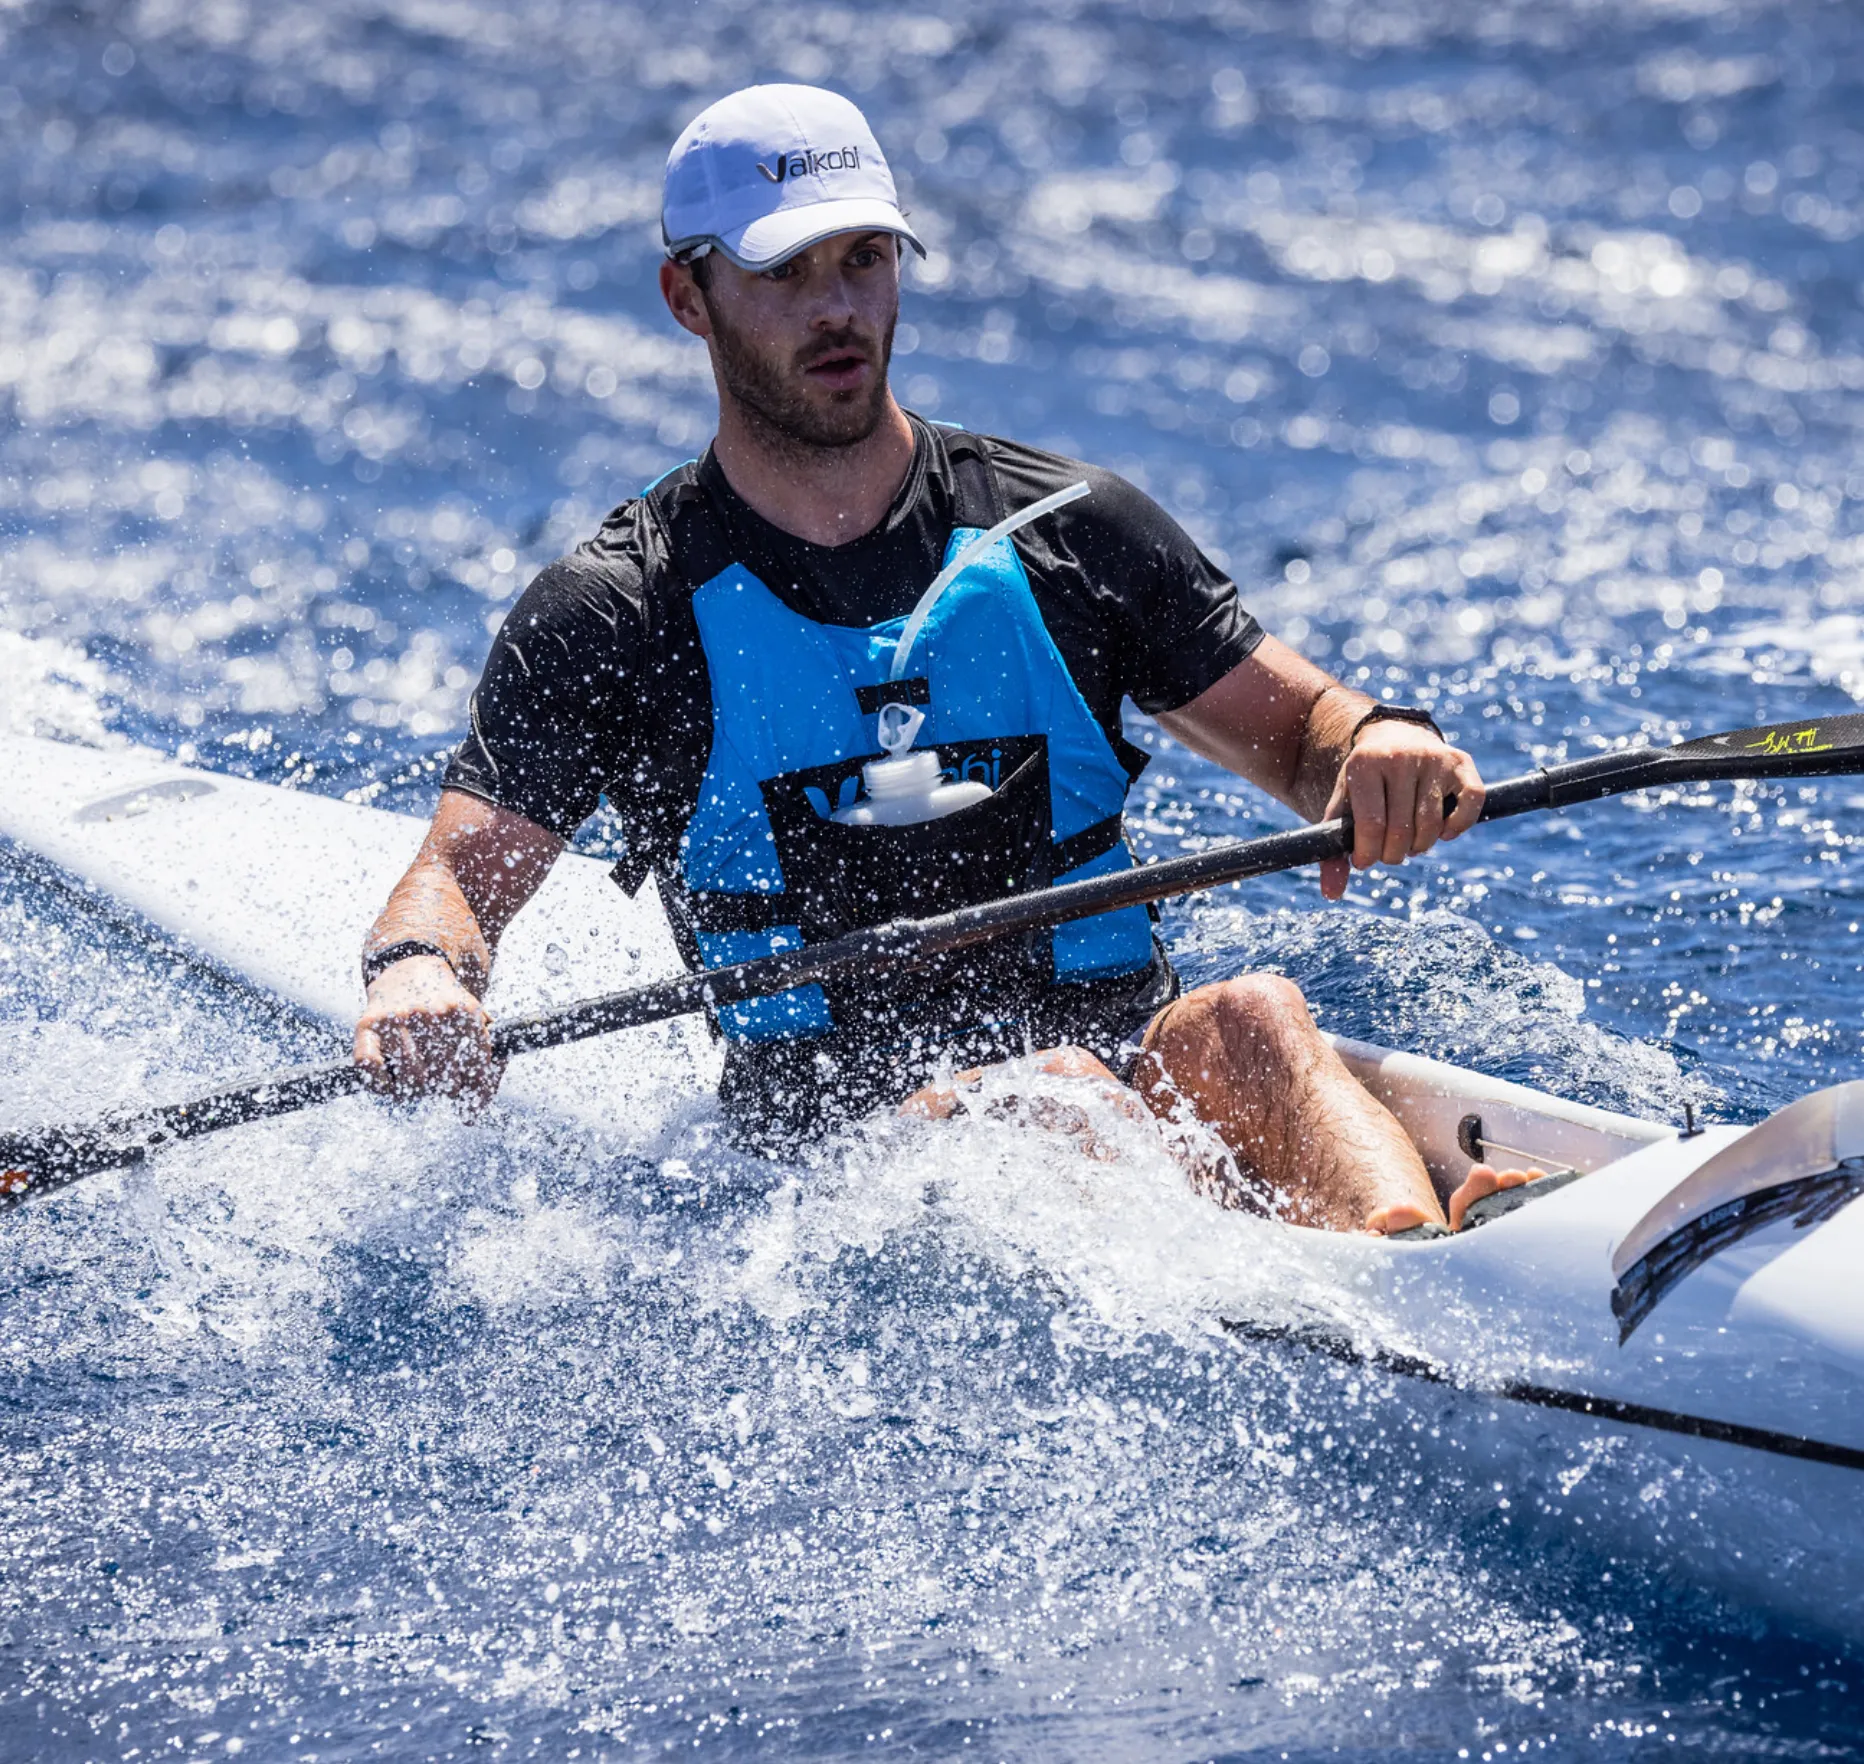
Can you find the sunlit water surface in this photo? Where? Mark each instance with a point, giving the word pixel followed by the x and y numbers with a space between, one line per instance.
pixel 1512 359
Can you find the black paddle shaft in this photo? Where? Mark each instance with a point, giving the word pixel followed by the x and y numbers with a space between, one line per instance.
pixel 47 1158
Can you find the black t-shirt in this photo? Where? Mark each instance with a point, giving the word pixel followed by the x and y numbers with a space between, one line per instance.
pixel 1136 610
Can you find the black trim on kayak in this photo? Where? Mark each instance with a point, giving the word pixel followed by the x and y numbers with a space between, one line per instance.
pixel 1809 1201
pixel 1542 1396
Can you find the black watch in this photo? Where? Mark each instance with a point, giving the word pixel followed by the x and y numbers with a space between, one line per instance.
pixel 378 961
pixel 1395 713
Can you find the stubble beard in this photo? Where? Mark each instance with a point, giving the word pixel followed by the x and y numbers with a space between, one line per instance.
pixel 774 398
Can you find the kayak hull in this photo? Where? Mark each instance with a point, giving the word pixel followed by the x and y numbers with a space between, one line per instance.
pixel 1523 1318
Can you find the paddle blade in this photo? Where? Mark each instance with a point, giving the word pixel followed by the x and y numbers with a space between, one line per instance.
pixel 38 1162
pixel 1817 747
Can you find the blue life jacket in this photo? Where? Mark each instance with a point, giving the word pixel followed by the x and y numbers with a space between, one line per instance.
pixel 794 704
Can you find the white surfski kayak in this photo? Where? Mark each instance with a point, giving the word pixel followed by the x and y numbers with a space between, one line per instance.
pixel 1664 1343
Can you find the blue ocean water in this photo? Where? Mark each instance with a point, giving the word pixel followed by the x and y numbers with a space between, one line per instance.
pixel 1510 356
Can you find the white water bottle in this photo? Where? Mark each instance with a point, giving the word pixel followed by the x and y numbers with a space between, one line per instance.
pixel 906 787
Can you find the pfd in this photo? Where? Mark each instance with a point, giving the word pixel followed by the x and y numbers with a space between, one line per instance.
pixel 754 864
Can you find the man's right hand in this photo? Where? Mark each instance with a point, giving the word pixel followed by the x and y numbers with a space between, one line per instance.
pixel 423 1033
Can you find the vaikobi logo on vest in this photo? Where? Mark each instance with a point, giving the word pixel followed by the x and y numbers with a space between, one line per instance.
pixel 810 163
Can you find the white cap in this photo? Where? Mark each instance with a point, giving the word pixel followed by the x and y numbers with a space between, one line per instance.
pixel 770 170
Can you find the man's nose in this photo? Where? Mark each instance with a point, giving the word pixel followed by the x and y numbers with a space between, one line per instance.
pixel 833 309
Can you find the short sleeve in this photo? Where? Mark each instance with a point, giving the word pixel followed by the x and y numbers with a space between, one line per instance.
pixel 550 716
pixel 1189 625
pixel 1140 611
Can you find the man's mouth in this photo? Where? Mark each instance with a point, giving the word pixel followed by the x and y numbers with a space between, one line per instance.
pixel 839 370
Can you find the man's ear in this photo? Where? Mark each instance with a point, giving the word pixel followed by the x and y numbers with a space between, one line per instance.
pixel 684 299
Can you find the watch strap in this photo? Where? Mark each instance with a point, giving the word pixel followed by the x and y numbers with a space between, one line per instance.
pixel 1394 713
pixel 377 962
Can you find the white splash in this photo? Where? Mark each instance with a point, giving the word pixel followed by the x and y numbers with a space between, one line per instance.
pixel 50 688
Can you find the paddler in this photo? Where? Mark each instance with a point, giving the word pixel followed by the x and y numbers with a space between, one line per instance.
pixel 717 660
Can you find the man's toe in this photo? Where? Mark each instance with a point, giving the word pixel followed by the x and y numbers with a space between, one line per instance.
pixel 1402 1216
pixel 1482 1181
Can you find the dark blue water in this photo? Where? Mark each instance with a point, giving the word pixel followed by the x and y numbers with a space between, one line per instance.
pixel 1511 357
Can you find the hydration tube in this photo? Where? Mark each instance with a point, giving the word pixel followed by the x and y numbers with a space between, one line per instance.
pixel 916 619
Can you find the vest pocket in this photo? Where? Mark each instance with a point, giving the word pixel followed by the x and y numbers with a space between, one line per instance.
pixel 839 878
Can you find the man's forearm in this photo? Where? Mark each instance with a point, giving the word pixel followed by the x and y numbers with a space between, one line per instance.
pixel 428 906
pixel 1326 739
pixel 477 866
pixel 1278 721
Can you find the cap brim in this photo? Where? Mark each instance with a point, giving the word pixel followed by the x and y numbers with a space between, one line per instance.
pixel 773 238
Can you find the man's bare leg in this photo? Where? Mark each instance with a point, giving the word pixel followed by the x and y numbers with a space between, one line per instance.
pixel 1246 1056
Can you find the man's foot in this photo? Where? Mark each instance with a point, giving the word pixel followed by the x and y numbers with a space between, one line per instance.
pixel 1482 1181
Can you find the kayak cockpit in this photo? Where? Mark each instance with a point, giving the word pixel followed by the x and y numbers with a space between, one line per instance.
pixel 1434 1103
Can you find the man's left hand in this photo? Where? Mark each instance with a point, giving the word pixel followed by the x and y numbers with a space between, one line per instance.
pixel 1394 784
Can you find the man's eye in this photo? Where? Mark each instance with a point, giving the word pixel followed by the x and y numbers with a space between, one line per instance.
pixel 865 258
pixel 782 273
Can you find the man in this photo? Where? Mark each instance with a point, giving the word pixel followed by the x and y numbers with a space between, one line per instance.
pixel 718 660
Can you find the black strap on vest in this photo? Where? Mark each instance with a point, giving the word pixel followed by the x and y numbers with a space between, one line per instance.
pixel 739 912
pixel 975 501
pixel 695 548
pixel 1091 842
pixel 871 699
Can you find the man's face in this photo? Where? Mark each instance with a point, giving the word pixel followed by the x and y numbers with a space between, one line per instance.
pixel 803 347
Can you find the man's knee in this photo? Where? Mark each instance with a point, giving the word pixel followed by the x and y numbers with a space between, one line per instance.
pixel 1259 1004
pixel 1071 1062
pixel 1252 1007
pixel 1256 1025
